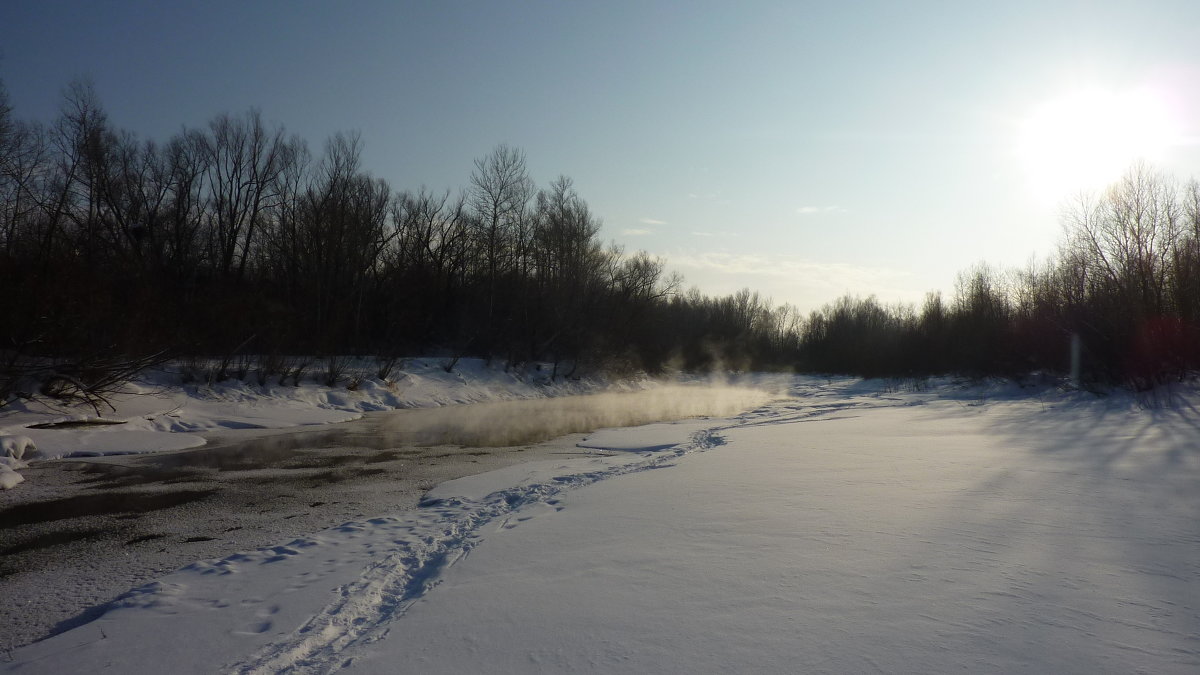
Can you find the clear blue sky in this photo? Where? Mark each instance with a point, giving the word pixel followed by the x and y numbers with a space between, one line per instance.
pixel 801 149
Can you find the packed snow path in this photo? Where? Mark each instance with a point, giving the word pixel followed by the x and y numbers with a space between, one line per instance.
pixel 841 530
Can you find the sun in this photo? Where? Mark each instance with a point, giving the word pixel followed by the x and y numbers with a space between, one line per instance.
pixel 1086 138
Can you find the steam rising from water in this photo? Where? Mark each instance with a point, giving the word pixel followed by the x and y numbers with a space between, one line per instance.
pixel 509 423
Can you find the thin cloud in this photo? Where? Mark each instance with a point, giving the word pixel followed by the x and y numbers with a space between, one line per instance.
pixel 717 198
pixel 652 221
pixel 810 210
pixel 834 278
pixel 636 232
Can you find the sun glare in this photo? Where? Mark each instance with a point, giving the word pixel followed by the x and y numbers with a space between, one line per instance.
pixel 1087 138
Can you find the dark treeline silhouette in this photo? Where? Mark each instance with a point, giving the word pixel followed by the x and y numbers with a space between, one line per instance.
pixel 1126 281
pixel 235 239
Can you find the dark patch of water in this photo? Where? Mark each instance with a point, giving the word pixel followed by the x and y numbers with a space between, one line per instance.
pixel 49 539
pixel 126 503
pixel 75 424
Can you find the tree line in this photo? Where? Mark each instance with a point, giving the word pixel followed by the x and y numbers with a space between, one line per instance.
pixel 1125 283
pixel 235 238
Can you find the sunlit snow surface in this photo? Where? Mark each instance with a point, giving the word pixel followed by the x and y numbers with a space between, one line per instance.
pixel 842 529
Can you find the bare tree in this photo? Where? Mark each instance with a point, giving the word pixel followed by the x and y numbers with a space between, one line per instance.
pixel 244 161
pixel 345 230
pixel 499 195
pixel 569 267
pixel 22 173
pixel 1130 234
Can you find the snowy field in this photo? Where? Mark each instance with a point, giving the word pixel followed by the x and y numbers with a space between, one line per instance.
pixel 843 528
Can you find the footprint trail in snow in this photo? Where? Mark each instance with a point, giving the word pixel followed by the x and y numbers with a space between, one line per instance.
pixel 362 610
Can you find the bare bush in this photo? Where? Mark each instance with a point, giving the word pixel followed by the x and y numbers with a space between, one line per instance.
pixel 91 380
pixel 386 365
pixel 335 369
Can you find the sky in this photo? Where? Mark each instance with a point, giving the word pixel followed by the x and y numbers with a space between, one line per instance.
pixel 803 150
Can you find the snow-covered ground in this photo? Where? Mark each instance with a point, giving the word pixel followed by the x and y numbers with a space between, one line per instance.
pixel 156 413
pixel 847 527
pixel 124 504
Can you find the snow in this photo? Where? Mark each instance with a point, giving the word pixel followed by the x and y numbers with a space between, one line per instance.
pixel 13 450
pixel 849 527
pixel 9 478
pixel 157 414
pixel 17 446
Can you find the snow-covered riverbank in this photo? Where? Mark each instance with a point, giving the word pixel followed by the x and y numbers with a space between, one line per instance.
pixel 158 413
pixel 127 502
pixel 848 527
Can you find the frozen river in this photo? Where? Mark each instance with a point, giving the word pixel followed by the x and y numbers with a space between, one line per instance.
pixel 845 528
